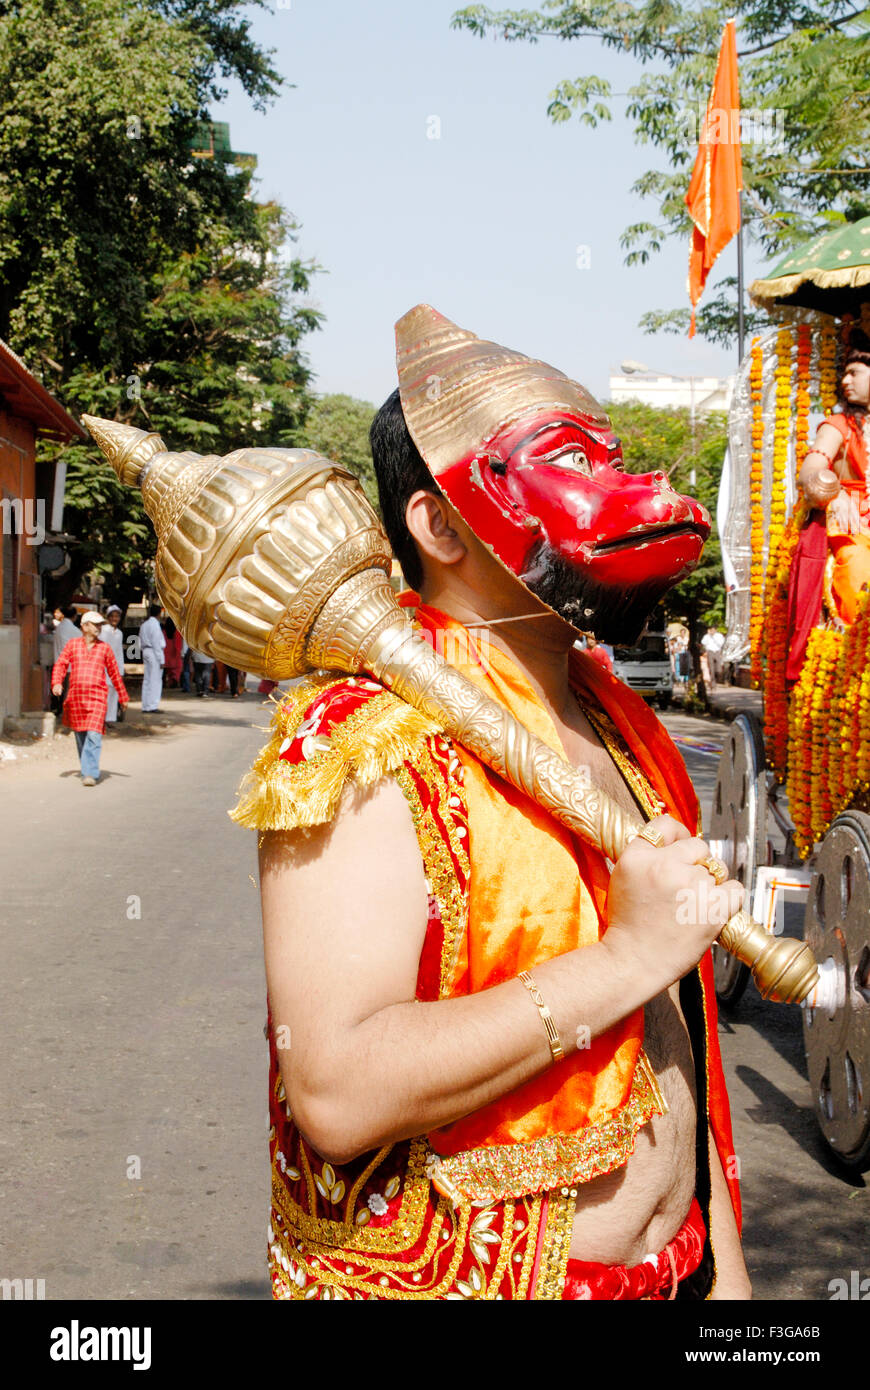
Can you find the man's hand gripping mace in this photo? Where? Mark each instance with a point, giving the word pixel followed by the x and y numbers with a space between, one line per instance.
pixel 784 970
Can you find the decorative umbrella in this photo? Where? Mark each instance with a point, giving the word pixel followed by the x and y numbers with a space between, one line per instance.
pixel 832 273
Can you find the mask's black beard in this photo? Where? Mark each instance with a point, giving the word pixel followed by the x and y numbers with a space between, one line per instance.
pixel 615 616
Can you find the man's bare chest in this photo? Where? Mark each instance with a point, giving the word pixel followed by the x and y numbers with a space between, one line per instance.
pixel 588 755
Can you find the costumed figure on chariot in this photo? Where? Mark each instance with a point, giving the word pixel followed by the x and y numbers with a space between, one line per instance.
pixel 832 560
pixel 495 1071
pixel 790 815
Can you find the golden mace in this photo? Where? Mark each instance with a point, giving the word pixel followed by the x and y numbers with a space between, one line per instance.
pixel 272 560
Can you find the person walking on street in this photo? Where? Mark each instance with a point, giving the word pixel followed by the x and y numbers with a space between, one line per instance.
pixel 202 667
pixel 111 633
pixel 64 631
pixel 172 653
pixel 186 663
pixel 88 661
pixel 713 641
pixel 599 653
pixel 65 628
pixel 153 644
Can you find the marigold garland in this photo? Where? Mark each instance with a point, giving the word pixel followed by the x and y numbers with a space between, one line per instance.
pixel 756 513
pixel 829 730
pixel 775 647
pixel 781 433
pixel 802 394
pixel 818 741
pixel 828 367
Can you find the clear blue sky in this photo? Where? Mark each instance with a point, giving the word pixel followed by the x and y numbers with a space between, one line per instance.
pixel 484 222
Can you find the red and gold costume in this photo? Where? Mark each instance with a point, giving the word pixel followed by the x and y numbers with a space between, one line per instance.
pixel 831 563
pixel 848 518
pixel 509 887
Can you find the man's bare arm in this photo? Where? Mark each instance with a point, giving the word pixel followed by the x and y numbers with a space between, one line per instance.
pixel 818 478
pixel 344 916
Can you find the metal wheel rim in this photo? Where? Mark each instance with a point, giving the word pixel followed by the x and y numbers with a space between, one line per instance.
pixel 837 926
pixel 740 820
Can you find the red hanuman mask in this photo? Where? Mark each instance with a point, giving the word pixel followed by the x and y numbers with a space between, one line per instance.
pixel 530 463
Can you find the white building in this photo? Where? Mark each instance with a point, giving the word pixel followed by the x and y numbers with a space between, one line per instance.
pixel 697 393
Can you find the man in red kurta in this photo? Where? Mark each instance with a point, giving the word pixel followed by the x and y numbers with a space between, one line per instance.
pixel 88 662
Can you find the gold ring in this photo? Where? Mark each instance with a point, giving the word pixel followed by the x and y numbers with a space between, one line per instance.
pixel 652 837
pixel 715 867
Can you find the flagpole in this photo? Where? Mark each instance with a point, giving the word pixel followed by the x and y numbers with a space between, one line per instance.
pixel 740 328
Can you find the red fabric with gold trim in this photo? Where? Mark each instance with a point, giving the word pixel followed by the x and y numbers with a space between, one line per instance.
pixel 325 713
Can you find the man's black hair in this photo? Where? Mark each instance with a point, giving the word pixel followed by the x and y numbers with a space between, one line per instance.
pixel 154 610
pixel 400 472
pixel 71 612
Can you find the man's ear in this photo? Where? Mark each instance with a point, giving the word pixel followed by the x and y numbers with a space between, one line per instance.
pixel 431 521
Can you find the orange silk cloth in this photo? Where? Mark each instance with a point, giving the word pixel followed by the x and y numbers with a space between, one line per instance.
pixel 851 550
pixel 537 891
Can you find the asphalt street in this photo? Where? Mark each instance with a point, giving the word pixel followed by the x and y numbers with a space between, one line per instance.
pixel 133 1155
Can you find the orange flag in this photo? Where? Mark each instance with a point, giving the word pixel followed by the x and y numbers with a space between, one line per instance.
pixel 713 198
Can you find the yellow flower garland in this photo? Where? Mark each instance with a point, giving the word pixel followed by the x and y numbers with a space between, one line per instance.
pixel 756 513
pixel 818 741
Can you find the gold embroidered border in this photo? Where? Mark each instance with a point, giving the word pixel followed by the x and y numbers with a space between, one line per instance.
pixel 494 1172
pixel 312 1272
pixel 711 1145
pixel 371 742
pixel 619 752
pixel 399 1235
pixel 555 1248
pixel 437 864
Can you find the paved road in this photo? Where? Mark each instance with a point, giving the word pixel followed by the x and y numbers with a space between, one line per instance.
pixel 130 1038
pixel 126 1037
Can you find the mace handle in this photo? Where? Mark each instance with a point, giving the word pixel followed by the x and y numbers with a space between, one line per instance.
pixel 784 969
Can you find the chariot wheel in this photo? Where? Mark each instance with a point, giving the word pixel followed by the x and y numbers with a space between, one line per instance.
pixel 739 821
pixel 837 1040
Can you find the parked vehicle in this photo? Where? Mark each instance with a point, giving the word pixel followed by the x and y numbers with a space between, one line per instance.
pixel 646 668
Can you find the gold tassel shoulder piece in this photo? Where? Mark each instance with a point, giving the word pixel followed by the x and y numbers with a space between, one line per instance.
pixel 371 742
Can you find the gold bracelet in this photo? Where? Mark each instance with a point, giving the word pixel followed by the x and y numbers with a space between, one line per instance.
pixel 552 1036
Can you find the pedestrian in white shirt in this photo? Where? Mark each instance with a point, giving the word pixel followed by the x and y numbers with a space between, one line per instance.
pixel 153 643
pixel 111 633
pixel 64 630
pixel 713 641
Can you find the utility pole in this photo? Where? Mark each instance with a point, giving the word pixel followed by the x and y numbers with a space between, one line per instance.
pixel 740 326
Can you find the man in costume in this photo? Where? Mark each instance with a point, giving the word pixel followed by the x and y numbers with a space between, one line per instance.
pixel 494 1065
pixel 89 662
pixel 835 542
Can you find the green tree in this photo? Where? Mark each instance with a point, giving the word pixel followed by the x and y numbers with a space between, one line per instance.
pixel 139 281
pixel 654 439
pixel 338 426
pixel 804 84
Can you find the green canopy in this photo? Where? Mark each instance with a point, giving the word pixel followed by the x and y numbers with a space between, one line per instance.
pixel 827 274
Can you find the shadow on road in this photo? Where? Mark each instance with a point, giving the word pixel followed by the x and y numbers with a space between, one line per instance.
pixel 776 1108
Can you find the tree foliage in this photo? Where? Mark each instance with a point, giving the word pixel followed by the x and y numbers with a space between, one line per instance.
pixel 338 427
pixel 656 439
pixel 804 82
pixel 138 281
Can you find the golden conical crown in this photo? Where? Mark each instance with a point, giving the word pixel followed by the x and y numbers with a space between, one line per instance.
pixel 458 390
